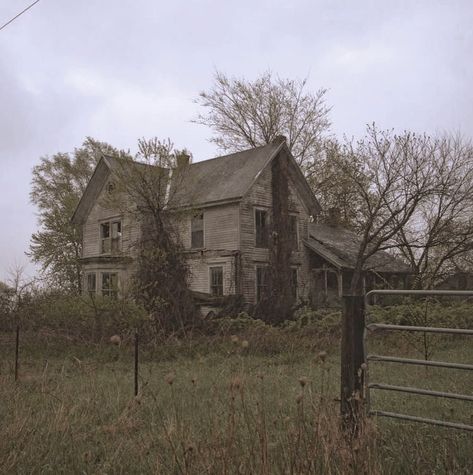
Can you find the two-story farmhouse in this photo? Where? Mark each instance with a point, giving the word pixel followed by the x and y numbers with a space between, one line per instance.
pixel 225 235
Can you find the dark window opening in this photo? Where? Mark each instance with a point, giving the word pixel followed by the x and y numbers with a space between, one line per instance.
pixel 332 281
pixel 91 284
pixel 294 283
pixel 197 231
pixel 110 237
pixel 293 232
pixel 216 281
pixel 261 283
pixel 261 228
pixel 110 284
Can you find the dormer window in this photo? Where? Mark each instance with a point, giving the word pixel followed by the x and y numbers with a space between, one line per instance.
pixel 110 237
pixel 197 231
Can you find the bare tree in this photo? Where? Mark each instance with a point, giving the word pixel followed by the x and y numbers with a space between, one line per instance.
pixel 440 233
pixel 144 188
pixel 246 114
pixel 394 174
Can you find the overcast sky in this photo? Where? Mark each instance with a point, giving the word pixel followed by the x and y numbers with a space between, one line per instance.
pixel 119 70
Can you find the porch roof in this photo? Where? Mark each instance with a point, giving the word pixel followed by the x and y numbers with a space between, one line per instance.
pixel 339 247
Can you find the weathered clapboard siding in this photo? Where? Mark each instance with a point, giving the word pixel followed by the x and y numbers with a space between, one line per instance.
pixel 220 227
pixel 260 196
pixel 91 230
pixel 200 273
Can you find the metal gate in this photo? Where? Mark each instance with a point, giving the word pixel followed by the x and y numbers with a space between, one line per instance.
pixel 370 385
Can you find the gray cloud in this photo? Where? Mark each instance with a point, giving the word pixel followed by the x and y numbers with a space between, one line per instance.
pixel 121 70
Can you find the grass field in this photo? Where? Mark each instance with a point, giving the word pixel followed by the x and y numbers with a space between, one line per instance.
pixel 219 406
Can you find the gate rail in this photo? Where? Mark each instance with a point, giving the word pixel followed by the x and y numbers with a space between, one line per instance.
pixel 375 327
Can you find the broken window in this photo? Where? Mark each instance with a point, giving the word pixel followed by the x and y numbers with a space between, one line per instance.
pixel 261 228
pixel 216 281
pixel 197 231
pixel 91 284
pixel 110 236
pixel 261 282
pixel 110 284
pixel 293 232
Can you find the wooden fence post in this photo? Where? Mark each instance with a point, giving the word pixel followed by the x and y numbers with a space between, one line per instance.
pixel 17 350
pixel 136 362
pixel 352 359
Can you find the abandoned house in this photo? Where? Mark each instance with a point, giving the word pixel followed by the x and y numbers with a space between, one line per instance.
pixel 226 233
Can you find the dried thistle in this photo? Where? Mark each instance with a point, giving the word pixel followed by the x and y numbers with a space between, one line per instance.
pixel 303 381
pixel 169 378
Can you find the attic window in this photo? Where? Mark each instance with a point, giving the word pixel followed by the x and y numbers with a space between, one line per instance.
pixel 110 187
pixel 110 236
pixel 197 231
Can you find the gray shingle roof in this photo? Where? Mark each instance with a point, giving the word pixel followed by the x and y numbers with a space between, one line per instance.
pixel 223 178
pixel 340 246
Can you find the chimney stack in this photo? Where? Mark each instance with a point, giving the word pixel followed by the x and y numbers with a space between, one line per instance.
pixel 182 160
pixel 334 216
pixel 280 139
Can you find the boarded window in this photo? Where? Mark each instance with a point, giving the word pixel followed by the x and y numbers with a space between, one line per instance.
pixel 110 284
pixel 91 284
pixel 216 280
pixel 293 234
pixel 261 283
pixel 110 236
pixel 261 228
pixel 197 231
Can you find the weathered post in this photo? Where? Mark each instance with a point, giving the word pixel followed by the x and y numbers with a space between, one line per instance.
pixel 17 350
pixel 352 359
pixel 136 362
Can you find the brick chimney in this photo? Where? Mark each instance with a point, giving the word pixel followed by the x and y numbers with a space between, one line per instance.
pixel 182 160
pixel 279 139
pixel 334 216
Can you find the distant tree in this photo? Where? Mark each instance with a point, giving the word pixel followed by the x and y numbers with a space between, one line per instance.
pixel 57 186
pixel 245 114
pixel 145 188
pixel 438 240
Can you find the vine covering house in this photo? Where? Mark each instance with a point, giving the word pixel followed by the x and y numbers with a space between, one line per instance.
pixel 247 224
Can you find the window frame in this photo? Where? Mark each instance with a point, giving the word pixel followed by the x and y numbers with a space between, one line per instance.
pixel 89 291
pixel 110 292
pixel 295 282
pixel 193 217
pixel 211 285
pixel 258 295
pixel 265 244
pixel 110 244
pixel 294 243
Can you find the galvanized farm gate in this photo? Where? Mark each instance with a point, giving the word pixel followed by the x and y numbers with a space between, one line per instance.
pixel 355 383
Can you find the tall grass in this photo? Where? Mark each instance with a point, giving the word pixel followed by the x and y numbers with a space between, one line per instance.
pixel 243 404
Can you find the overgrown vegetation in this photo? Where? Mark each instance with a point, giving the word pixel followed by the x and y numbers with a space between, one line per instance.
pixel 57 185
pixel 232 404
pixel 144 190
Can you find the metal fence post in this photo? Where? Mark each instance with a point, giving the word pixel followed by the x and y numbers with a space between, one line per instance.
pixel 352 359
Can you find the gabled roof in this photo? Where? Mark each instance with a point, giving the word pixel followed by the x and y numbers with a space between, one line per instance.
pixel 340 246
pixel 223 178
pixel 209 182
